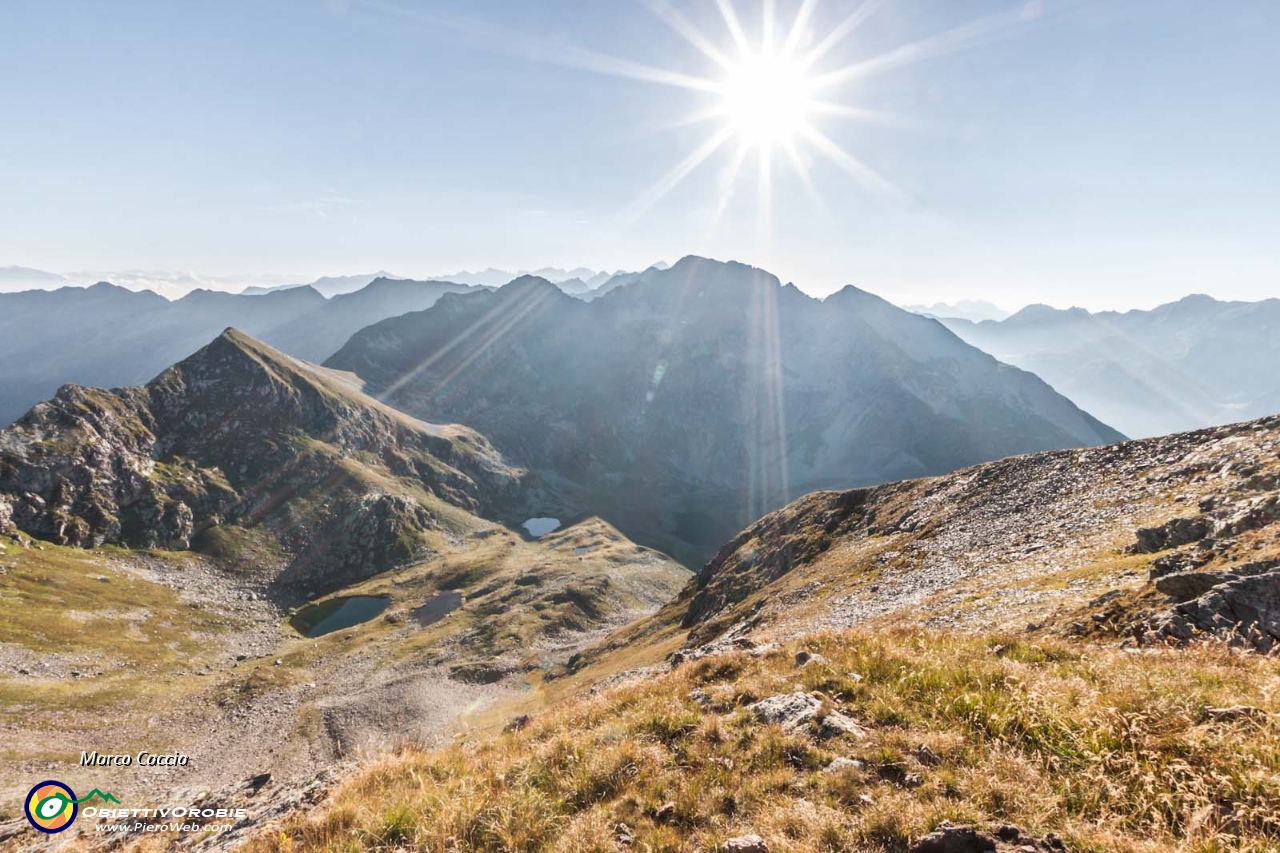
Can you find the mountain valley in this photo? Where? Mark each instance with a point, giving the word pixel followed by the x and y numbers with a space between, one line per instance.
pixel 160 546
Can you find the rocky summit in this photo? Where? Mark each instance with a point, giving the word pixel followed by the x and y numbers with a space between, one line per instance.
pixel 687 402
pixel 238 439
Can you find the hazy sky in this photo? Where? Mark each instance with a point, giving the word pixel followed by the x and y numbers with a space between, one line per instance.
pixel 1110 155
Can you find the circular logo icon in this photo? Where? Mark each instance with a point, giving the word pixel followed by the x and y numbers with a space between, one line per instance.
pixel 51 806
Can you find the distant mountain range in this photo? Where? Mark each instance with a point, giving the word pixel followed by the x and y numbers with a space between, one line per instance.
pixel 964 309
pixel 174 285
pixel 171 284
pixel 105 335
pixel 1192 363
pixel 576 282
pixel 688 401
pixel 327 286
pixel 24 278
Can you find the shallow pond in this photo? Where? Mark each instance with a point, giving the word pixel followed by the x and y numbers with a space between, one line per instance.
pixel 316 620
pixel 539 527
pixel 437 607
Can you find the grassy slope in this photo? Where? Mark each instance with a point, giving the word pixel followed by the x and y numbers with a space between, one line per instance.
pixel 1113 750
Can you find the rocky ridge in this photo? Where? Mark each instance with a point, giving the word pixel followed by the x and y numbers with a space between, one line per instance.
pixel 1091 541
pixel 240 437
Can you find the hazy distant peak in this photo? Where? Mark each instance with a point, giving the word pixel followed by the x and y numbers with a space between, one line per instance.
pixel 1041 313
pixel 530 283
pixel 690 264
pixel 14 279
pixel 850 294
pixel 106 286
pixel 1190 301
pixel 975 310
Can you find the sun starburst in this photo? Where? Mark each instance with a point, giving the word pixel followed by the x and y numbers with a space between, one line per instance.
pixel 768 94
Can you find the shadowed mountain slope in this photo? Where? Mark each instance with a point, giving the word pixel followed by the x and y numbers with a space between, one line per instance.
pixel 686 403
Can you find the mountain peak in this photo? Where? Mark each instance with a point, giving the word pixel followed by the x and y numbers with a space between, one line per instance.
pixel 528 283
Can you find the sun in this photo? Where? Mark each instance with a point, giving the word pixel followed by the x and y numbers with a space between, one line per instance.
pixel 775 88
pixel 767 98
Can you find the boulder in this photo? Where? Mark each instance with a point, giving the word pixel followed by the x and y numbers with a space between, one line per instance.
pixel 962 838
pixel 1184 586
pixel 1250 515
pixel 836 724
pixel 841 764
pixel 1247 608
pixel 790 710
pixel 1171 534
pixel 746 844
pixel 954 838
pixel 804 658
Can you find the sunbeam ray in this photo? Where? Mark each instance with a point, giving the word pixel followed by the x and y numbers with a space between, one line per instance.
pixel 734 25
pixel 852 166
pixel 880 117
pixel 975 33
pixel 798 25
pixel 841 31
pixel 764 202
pixel 511 42
pixel 682 26
pixel 766 26
pixel 728 179
pixel 668 182
pixel 802 172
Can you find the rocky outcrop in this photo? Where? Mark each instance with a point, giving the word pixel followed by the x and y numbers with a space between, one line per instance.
pixel 81 470
pixel 963 838
pixel 1242 610
pixel 796 712
pixel 1217 586
pixel 6 515
pixel 239 435
pixel 770 548
pixel 1197 509
pixel 1171 534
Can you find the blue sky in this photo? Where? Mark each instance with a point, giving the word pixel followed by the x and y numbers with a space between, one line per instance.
pixel 1106 155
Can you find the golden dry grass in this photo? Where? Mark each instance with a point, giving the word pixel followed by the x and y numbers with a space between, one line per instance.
pixel 1115 751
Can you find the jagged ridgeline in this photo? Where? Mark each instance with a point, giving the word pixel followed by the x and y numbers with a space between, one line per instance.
pixel 241 447
pixel 687 403
pixel 108 336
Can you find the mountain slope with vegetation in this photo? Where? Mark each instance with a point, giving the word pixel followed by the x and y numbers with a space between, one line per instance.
pixel 168 554
pixel 1060 651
